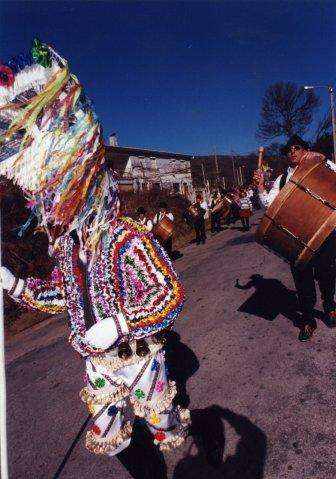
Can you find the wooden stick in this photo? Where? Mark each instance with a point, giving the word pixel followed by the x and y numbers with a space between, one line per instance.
pixel 261 152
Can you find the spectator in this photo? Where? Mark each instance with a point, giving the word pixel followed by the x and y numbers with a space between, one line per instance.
pixel 142 218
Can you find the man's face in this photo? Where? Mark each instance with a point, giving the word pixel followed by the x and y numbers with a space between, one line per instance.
pixel 295 155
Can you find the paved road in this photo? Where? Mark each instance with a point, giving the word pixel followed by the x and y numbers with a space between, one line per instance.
pixel 262 402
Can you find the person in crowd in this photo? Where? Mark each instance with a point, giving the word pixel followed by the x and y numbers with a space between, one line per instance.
pixel 245 209
pixel 143 219
pixel 323 266
pixel 215 213
pixel 198 213
pixel 234 196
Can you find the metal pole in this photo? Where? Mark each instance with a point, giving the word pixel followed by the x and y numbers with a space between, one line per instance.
pixel 3 397
pixel 332 107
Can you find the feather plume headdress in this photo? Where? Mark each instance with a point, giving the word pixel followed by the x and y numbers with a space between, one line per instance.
pixel 51 145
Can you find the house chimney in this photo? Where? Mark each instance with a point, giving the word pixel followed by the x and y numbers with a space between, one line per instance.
pixel 113 140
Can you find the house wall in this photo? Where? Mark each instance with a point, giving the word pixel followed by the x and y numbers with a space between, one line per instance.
pixel 162 173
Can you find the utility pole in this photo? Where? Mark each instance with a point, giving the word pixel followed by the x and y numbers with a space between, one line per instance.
pixel 332 110
pixel 332 106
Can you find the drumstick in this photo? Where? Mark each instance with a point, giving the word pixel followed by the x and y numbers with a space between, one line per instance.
pixel 261 152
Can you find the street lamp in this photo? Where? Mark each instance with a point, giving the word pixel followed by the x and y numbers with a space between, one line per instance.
pixel 332 108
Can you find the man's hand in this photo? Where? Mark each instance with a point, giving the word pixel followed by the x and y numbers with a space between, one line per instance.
pixel 259 181
pixel 103 334
pixel 10 283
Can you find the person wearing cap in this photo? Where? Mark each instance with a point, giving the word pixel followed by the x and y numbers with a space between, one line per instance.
pixel 142 218
pixel 323 266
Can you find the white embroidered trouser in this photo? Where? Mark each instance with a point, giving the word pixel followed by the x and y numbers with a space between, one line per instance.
pixel 118 390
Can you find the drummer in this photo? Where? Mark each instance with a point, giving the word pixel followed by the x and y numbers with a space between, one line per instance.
pixel 215 217
pixel 142 218
pixel 160 215
pixel 323 266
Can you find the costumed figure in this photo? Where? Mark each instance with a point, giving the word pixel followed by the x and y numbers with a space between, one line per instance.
pixel 112 278
pixel 322 266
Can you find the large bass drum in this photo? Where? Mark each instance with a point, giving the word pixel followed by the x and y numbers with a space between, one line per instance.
pixel 303 214
pixel 222 207
pixel 164 229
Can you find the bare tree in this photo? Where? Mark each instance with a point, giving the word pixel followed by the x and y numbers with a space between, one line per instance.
pixel 287 109
pixel 324 127
pixel 274 149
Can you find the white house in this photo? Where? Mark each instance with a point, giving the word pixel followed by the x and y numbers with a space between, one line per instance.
pixel 140 169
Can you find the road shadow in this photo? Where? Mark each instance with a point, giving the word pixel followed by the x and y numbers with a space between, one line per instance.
pixel 182 363
pixel 142 459
pixel 246 238
pixel 176 254
pixel 208 433
pixel 270 298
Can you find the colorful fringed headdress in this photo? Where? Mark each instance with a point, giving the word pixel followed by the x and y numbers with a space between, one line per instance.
pixel 51 145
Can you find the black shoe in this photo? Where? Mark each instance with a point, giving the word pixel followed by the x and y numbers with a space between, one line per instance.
pixel 142 348
pixel 330 319
pixel 307 332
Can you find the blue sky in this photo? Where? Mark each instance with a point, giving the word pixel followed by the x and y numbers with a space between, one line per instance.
pixel 188 76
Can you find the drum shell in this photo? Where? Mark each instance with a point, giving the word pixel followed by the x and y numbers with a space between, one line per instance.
pixel 223 207
pixel 164 229
pixel 303 214
pixel 194 212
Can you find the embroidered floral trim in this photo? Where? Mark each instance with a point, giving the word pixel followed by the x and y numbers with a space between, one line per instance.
pixel 172 441
pixel 103 398
pixel 104 446
pixel 131 274
pixel 148 408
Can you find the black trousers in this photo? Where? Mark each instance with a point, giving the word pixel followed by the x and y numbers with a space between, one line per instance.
pixel 168 246
pixel 245 221
pixel 322 268
pixel 215 222
pixel 200 231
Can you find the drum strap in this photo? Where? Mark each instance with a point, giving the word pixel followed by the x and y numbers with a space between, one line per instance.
pixel 283 180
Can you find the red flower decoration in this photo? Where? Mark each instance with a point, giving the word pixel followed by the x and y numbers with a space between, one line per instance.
pixel 160 436
pixel 96 430
pixel 6 76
